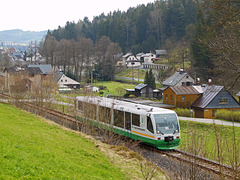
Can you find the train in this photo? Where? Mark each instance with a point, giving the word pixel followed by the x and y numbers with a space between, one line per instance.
pixel 154 126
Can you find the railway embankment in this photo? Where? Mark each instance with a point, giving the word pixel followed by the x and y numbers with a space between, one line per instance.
pixel 34 148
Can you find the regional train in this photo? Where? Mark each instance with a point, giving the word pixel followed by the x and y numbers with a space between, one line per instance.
pixel 157 127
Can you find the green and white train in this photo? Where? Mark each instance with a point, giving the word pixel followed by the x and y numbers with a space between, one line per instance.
pixel 154 126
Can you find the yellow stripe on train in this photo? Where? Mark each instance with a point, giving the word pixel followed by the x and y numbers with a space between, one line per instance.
pixel 142 134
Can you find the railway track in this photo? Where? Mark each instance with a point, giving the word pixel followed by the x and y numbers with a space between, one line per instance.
pixel 70 122
pixel 213 167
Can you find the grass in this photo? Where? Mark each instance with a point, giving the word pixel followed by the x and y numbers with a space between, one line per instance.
pixel 136 73
pixel 33 149
pixel 115 88
pixel 202 138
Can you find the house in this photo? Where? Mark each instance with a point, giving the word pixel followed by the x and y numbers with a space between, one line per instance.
pixel 133 63
pixel 213 98
pixel 178 79
pixel 62 79
pixel 17 77
pixel 143 90
pixel 45 68
pixel 180 96
pixel 160 53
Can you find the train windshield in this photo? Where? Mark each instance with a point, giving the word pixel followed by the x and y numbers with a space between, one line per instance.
pixel 166 123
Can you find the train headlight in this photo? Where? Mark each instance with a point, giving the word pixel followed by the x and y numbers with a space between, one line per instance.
pixel 158 132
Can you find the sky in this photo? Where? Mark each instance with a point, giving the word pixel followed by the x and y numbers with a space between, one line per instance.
pixel 39 15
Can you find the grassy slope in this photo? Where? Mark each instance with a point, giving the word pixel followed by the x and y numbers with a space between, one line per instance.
pixel 136 72
pixel 201 139
pixel 115 88
pixel 32 149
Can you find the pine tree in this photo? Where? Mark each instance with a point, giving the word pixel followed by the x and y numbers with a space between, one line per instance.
pixel 151 78
pixel 146 79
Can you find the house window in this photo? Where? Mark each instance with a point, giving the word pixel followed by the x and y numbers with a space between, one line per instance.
pixel 171 98
pixel 223 100
pixel 183 99
pixel 166 97
pixel 65 80
pixel 213 113
pixel 61 80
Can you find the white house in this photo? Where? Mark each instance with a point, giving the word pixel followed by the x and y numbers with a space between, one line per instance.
pixel 62 79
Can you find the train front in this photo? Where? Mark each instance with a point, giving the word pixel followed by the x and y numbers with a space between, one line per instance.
pixel 167 130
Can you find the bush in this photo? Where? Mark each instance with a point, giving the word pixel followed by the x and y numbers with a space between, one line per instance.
pixel 228 115
pixel 101 92
pixel 183 112
pixel 131 96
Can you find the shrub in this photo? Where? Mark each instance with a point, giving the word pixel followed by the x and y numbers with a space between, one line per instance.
pixel 228 115
pixel 101 92
pixel 131 96
pixel 183 112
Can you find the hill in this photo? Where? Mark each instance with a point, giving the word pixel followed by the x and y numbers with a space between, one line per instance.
pixel 31 148
pixel 20 36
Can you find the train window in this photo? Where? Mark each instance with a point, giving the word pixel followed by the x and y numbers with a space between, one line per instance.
pixel 135 119
pixel 119 118
pixel 128 120
pixel 149 125
pixel 105 114
pixel 80 105
pixel 92 111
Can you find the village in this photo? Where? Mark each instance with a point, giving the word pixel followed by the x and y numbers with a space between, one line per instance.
pixel 179 90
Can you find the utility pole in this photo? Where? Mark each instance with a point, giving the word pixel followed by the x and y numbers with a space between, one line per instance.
pixel 132 72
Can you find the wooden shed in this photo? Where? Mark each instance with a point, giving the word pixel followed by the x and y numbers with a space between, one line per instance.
pixel 143 90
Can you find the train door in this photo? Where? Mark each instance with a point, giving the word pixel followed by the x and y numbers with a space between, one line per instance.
pixel 128 123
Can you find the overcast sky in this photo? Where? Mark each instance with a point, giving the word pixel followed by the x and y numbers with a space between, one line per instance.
pixel 38 15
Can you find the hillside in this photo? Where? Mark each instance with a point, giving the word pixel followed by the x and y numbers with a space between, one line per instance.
pixel 31 148
pixel 19 36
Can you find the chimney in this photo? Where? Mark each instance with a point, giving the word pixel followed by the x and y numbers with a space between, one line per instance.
pixel 198 81
pixel 181 71
pixel 209 81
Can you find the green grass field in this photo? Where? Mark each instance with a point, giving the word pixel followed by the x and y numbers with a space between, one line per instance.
pixel 135 72
pixel 115 88
pixel 207 139
pixel 31 148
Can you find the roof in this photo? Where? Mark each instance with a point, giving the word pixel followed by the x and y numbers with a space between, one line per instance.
pixel 30 70
pixel 184 90
pixel 161 52
pixel 126 55
pixel 209 93
pixel 34 70
pixel 45 68
pixel 174 79
pixel 140 86
pixel 57 76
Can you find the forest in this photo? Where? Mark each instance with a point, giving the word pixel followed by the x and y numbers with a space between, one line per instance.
pixel 204 32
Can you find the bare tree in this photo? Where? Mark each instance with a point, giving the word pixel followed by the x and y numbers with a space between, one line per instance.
pixel 223 38
pixel 85 51
pixel 49 49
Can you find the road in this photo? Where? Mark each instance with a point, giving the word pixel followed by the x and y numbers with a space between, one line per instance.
pixel 210 121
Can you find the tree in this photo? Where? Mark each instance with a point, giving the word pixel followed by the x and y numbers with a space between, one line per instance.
pixel 223 37
pixel 150 79
pixel 151 82
pixel 107 53
pixel 146 79
pixel 84 53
